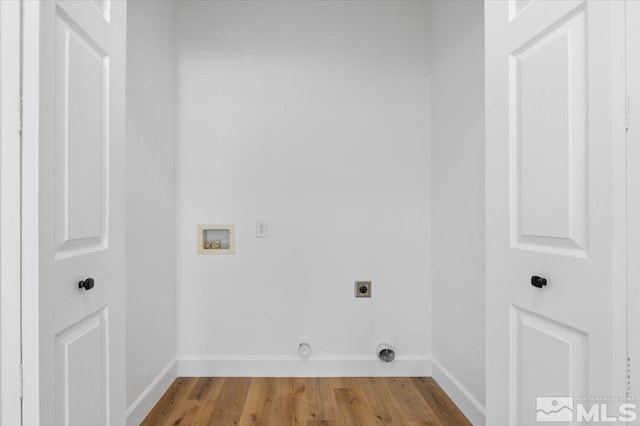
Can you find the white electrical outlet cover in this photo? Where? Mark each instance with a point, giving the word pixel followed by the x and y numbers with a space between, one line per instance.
pixel 261 229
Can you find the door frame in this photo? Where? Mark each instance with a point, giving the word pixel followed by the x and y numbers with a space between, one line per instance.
pixel 633 195
pixel 31 58
pixel 620 202
pixel 10 212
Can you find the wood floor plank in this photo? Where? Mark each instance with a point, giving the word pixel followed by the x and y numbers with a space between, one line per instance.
pixel 258 404
pixel 305 401
pixel 206 388
pixel 184 413
pixel 442 406
pixel 375 392
pixel 353 406
pixel 403 394
pixel 301 401
pixel 322 407
pixel 229 403
pixel 170 402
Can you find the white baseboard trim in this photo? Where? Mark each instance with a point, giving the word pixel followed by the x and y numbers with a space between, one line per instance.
pixel 466 402
pixel 327 366
pixel 141 407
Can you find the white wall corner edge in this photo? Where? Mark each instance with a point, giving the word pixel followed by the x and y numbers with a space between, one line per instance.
pixel 325 366
pixel 143 405
pixel 466 402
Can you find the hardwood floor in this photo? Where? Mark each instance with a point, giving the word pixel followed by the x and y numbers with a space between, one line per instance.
pixel 305 401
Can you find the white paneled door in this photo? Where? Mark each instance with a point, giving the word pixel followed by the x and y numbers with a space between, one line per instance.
pixel 74 136
pixel 555 208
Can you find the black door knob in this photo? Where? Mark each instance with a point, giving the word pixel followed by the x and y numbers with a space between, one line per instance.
pixel 87 284
pixel 537 281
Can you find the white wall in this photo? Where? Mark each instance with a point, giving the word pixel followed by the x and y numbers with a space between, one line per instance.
pixel 457 176
pixel 151 332
pixel 313 116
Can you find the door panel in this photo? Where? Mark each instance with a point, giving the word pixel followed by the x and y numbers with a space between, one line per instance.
pixel 82 379
pixel 548 138
pixel 103 7
pixel 553 143
pixel 82 75
pixel 517 6
pixel 541 345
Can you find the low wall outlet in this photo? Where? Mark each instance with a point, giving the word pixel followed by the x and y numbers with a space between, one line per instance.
pixel 261 229
pixel 363 288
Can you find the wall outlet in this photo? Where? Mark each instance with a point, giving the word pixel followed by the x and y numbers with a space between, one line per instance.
pixel 261 229
pixel 363 288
